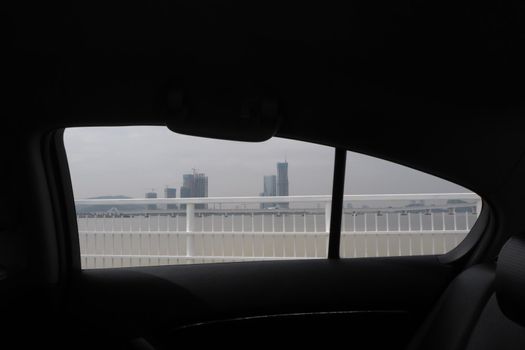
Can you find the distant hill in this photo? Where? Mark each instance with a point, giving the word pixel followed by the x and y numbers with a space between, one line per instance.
pixel 111 197
pixel 101 208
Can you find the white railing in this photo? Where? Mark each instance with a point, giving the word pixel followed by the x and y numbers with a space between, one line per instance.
pixel 237 229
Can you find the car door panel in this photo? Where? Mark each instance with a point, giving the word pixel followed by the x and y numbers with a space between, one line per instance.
pixel 348 298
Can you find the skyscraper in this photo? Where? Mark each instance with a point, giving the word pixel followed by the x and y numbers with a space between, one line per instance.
pixel 201 185
pixel 269 189
pixel 170 193
pixel 282 181
pixel 194 185
pixel 151 195
pixel 270 185
pixel 187 184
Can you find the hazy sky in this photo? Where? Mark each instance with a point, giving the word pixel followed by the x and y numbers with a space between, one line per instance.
pixel 134 160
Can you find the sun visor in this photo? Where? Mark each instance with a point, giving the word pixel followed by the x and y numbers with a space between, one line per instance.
pixel 223 113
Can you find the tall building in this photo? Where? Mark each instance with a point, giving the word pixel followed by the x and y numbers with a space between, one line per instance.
pixel 282 182
pixel 269 189
pixel 185 192
pixel 201 185
pixel 187 184
pixel 270 185
pixel 194 186
pixel 151 195
pixel 170 192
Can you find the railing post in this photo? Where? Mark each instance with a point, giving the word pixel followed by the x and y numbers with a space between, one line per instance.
pixel 190 220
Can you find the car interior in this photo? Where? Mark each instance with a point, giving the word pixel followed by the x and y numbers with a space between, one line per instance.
pixel 435 86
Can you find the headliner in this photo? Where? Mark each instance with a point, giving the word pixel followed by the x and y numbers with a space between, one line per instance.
pixel 434 86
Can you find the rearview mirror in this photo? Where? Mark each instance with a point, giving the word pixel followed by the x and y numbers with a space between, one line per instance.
pixel 223 114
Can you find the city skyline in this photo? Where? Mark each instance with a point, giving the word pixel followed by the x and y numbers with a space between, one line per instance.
pixel 196 185
pixel 130 161
pixel 276 185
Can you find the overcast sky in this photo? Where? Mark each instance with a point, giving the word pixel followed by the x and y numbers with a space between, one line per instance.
pixel 134 160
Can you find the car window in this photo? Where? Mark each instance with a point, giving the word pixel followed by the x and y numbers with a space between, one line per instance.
pixel 147 196
pixel 393 210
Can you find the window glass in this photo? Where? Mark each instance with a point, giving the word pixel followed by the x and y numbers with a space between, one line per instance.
pixel 393 210
pixel 147 196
